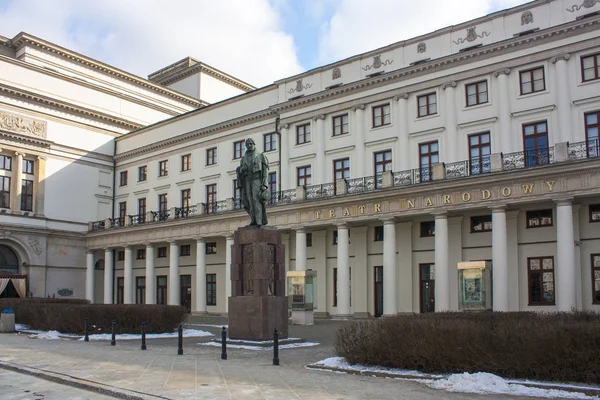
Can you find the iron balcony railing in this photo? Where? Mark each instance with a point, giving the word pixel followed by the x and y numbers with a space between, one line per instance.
pixel 584 150
pixel 185 212
pixel 462 169
pixel 137 219
pixel 215 207
pixel 320 191
pixel 160 216
pixel 527 158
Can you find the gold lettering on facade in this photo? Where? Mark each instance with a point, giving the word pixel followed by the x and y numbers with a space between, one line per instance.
pixel 428 202
pixel 528 188
pixel 346 212
pixel 377 207
pixel 485 194
pixel 466 196
pixel 331 213
pixel 318 214
pixel 506 191
pixel 550 185
pixel 410 204
pixel 447 199
pixel 361 209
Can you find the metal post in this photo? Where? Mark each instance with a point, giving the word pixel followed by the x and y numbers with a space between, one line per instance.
pixel 275 347
pixel 143 336
pixel 180 341
pixel 224 344
pixel 114 328
pixel 86 337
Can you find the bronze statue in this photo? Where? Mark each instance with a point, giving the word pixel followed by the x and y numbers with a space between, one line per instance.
pixel 252 179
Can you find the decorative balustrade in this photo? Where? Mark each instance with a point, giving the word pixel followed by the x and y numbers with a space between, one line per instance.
pixel 137 219
pixel 462 169
pixel 362 185
pixel 117 222
pixel 238 204
pixel 407 178
pixel 215 207
pixel 97 225
pixel 320 191
pixel 527 158
pixel 584 150
pixel 283 197
pixel 159 216
pixel 185 212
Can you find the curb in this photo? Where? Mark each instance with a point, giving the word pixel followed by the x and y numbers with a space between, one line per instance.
pixel 79 383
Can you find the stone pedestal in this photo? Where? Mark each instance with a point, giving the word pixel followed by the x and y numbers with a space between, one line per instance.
pixel 303 317
pixel 257 304
pixel 7 323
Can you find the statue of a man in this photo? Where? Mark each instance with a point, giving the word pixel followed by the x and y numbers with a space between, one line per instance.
pixel 252 179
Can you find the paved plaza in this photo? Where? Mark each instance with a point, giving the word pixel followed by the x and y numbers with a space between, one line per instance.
pixel 124 371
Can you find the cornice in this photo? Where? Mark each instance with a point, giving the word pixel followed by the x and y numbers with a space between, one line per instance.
pixel 179 74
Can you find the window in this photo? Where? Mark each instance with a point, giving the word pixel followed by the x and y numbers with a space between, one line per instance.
pixel 237 195
pixel 303 134
pixel 162 205
pixel 140 290
pixel 5 163
pixel 538 218
pixel 540 273
pixel 238 149
pixel 532 80
pixel 142 210
pixel 186 199
pixel 211 248
pixel 120 289
pixel 28 167
pixel 141 254
pixel 591 133
pixel 590 67
pixel 535 144
pixel 481 224
pixel 479 153
pixel 161 289
pixel 186 162
pixel 211 198
pixel 340 125
pixel 378 234
pixel 381 115
pixel 211 289
pixel 596 278
pixel 594 212
pixel 428 155
pixel 341 169
pixel 382 162
pixel 123 178
pixel 427 104
pixel 162 252
pixel 269 142
pixel 163 168
pixel 4 191
pixel 427 228
pixel 309 239
pixel 303 175
pixel 142 173
pixel 477 93
pixel 335 237
pixel 272 181
pixel 122 213
pixel 121 255
pixel 26 195
pixel 185 250
pixel 211 156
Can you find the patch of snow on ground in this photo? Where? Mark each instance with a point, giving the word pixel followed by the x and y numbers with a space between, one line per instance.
pixel 341 363
pixel 210 325
pixel 50 335
pixel 270 348
pixel 135 336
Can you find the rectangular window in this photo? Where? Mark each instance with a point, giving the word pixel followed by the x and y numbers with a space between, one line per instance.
pixel 162 252
pixel 591 133
pixel 28 167
pixel 595 278
pixel 335 238
pixel 5 163
pixel 538 218
pixel 211 248
pixel 481 224
pixel 303 134
pixel 427 104
pixel 142 210
pixel 186 199
pixel 381 115
pixel 121 255
pixel 269 142
pixel 120 290
pixel 594 212
pixel 211 289
pixel 532 80
pixel 211 156
pixel 272 181
pixel 237 194
pixel 140 254
pixel 163 168
pixel 161 289
pixel 185 250
pixel 428 155
pixel 535 144
pixel 590 67
pixel 4 192
pixel 341 169
pixel 540 273
pixel 26 195
pixel 378 234
pixel 427 229
pixel 186 162
pixel 382 161
pixel 123 178
pixel 142 173
pixel 211 198
pixel 477 93
pixel 340 125
pixel 309 239
pixel 303 175
pixel 140 290
pixel 479 153
pixel 163 206
pixel 238 149
pixel 122 213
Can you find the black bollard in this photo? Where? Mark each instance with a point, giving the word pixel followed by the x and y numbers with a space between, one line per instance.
pixel 224 344
pixel 114 328
pixel 143 336
pixel 180 341
pixel 275 347
pixel 86 337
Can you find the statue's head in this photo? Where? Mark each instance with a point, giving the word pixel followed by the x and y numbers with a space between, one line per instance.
pixel 250 144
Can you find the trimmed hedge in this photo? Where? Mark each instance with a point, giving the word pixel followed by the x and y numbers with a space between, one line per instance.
pixel 540 346
pixel 23 307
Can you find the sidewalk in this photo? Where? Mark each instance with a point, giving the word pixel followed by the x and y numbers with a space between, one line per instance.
pixel 125 371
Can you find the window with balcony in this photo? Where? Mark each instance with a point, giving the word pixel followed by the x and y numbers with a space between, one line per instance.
pixel 211 198
pixel 211 289
pixel 303 175
pixel 427 104
pixel 123 178
pixel 26 195
pixel 272 182
pixel 481 223
pixel 532 80
pixel 595 278
pixel 122 213
pixel 162 252
pixel 140 254
pixel 590 67
pixel 428 155
pixel 535 144
pixel 479 153
pixel 594 212
pixel 5 163
pixel 238 149
pixel 378 234
pixel 382 161
pixel 186 162
pixel 211 248
pixel 591 133
pixel 237 193
pixel 211 156
pixel 269 142
pixel 163 206
pixel 539 218
pixel 541 280
pixel 341 169
pixel 381 115
pixel 427 229
pixel 186 199
pixel 303 134
pixel 163 168
pixel 340 125
pixel 4 192
pixel 142 173
pixel 142 210
pixel 185 250
pixel 476 93
pixel 28 167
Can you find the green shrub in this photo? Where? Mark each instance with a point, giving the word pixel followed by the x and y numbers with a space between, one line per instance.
pixel 22 307
pixel 553 346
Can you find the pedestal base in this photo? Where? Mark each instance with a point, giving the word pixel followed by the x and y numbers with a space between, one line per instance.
pixel 303 317
pixel 255 318
pixel 7 323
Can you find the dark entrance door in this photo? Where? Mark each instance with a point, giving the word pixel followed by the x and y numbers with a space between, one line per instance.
pixel 186 291
pixel 378 291
pixel 120 289
pixel 161 289
pixel 427 282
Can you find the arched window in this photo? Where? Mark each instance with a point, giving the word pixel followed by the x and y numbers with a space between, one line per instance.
pixel 99 265
pixel 8 260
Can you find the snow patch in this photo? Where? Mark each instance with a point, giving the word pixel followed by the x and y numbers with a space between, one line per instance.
pixel 50 335
pixel 135 336
pixel 246 347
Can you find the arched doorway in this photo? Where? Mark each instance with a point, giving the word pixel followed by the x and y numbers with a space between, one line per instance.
pixel 8 260
pixel 11 283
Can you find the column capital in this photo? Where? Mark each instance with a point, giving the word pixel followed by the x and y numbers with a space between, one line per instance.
pixel 229 236
pixel 89 251
pixel 560 57
pixel 172 242
pixel 359 107
pixel 342 226
pixel 563 201
pixel 440 215
pixel 403 96
pixel 128 247
pixel 109 248
pixel 388 221
pixel 452 85
pixel 284 126
pixel 319 117
pixel 19 153
pixel 41 158
pixel 498 208
pixel 200 239
pixel 505 71
pixel 148 244
pixel 300 230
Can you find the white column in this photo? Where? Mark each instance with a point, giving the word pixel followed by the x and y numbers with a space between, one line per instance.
pixel 390 298
pixel 150 275
pixel 284 163
pixel 563 98
pixel 319 170
pixel 108 276
pixel 15 198
pixel 89 276
pixel 442 277
pixel 401 156
pixel 128 275
pixel 174 285
pixel 228 244
pixel 502 140
pixel 451 137
pixel 500 259
pixel 343 273
pixel 565 284
pixel 200 275
pixel 301 250
pixel 358 131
